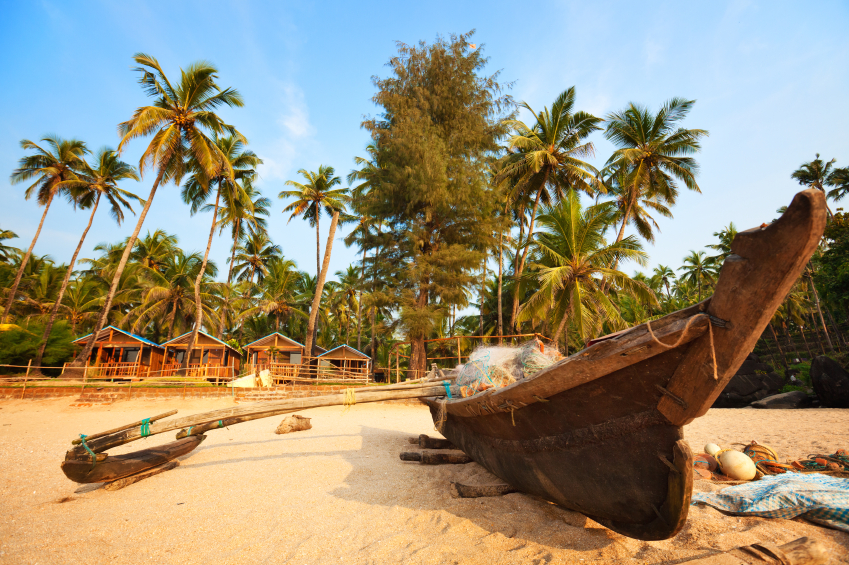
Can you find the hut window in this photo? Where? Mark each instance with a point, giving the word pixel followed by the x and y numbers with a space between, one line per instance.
pixel 295 358
pixel 178 355
pixel 205 357
pixel 130 355
pixel 146 356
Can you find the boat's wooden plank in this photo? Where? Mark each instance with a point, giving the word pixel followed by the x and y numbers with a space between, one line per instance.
pixel 132 479
pixel 594 362
pixel 765 264
pixel 120 466
pixel 254 411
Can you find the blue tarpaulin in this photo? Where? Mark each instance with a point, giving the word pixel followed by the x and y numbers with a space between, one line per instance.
pixel 815 497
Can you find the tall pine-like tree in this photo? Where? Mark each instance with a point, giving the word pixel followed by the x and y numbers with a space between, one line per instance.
pixel 439 128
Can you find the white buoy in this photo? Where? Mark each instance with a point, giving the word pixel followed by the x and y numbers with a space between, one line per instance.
pixel 736 465
pixel 711 448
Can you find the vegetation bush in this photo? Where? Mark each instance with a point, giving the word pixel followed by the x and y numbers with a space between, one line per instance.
pixel 20 344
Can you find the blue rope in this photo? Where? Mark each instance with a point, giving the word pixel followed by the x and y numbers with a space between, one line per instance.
pixel 145 427
pixel 188 433
pixel 447 388
pixel 87 448
pixel 220 423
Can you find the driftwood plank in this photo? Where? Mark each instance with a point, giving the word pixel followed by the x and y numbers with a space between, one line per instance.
pixel 455 457
pixel 127 481
pixel 122 428
pixel 427 442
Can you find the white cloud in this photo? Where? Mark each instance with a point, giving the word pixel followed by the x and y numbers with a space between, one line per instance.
pixel 297 136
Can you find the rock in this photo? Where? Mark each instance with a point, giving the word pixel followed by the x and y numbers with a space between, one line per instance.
pixel 793 399
pixel 752 382
pixel 831 382
pixel 293 424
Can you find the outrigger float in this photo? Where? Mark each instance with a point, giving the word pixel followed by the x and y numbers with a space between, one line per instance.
pixel 599 432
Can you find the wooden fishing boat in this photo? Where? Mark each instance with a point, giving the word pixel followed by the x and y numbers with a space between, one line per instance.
pixel 600 431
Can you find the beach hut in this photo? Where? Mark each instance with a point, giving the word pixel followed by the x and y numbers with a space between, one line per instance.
pixel 211 357
pixel 281 355
pixel 121 354
pixel 344 362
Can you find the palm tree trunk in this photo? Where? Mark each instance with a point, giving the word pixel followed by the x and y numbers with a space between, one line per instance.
pixel 233 255
pixel 49 327
pixel 521 265
pixel 817 331
pixel 81 359
pixel 319 285
pixel 360 305
pixel 198 304
pixel 20 273
pixel 808 347
pixel 819 310
pixel 317 240
pixel 500 282
pixel 834 325
pixel 792 343
pixel 778 344
pixel 483 288
pixel 173 318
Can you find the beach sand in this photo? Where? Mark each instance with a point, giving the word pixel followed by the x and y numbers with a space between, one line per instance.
pixel 338 493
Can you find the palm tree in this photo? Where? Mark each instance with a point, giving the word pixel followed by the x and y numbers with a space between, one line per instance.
pixel 349 289
pixel 234 163
pixel 664 275
pixel 253 256
pixel 815 174
pixel 547 157
pixel 698 269
pixel 726 236
pixel 278 296
pixel 48 167
pixel 311 197
pixel 839 179
pixel 6 251
pixel 634 204
pixel 169 295
pixel 82 302
pixel 653 153
pixel 85 192
pixel 573 270
pixel 179 120
pixel 233 303
pixel 153 250
pixel 243 213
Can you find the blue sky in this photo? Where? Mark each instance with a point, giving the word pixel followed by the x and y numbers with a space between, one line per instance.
pixel 770 80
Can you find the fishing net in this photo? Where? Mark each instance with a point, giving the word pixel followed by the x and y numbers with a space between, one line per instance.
pixel 498 367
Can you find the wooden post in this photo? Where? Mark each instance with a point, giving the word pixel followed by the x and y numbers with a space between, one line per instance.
pixel 26 378
pixel 29 364
pixel 397 368
pixel 459 359
pixel 138 361
pixel 63 369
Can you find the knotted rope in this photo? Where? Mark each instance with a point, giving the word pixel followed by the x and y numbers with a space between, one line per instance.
pixel 145 427
pixel 87 448
pixel 684 336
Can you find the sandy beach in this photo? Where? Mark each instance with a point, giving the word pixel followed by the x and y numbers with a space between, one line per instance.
pixel 338 493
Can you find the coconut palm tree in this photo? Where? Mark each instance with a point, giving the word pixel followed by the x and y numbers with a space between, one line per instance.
pixel 49 167
pixel 634 205
pixel 7 251
pixel 85 192
pixel 698 270
pixel 233 303
pixel 153 250
pixel 573 270
pixel 279 294
pixel 664 275
pixel 839 179
pixel 653 153
pixel 180 120
pixel 169 295
pixel 815 174
pixel 243 214
pixel 82 302
pixel 546 159
pixel 726 235
pixel 234 163
pixel 310 198
pixel 253 256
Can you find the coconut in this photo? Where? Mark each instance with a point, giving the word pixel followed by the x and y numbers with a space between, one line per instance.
pixel 736 465
pixel 711 449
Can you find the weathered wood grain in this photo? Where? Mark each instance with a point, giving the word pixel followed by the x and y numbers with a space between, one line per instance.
pixel 132 479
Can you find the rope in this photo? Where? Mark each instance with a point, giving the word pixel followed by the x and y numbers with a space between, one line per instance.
pixel 683 336
pixel 87 448
pixel 145 427
pixel 189 431
pixel 441 415
pixel 447 389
